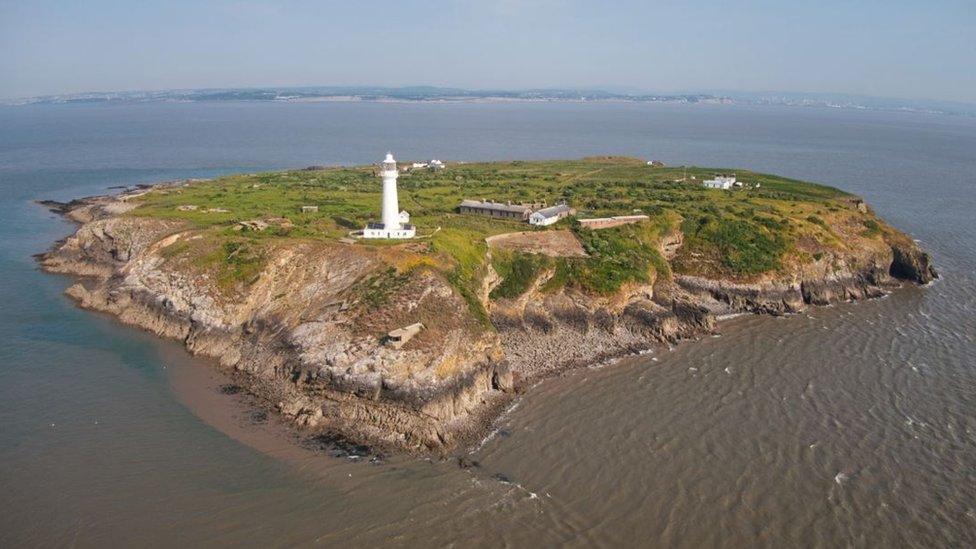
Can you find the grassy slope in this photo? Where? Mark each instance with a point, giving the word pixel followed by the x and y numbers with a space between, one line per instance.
pixel 741 234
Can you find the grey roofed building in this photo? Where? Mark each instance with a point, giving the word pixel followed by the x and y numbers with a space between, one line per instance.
pixel 556 210
pixel 496 209
pixel 550 215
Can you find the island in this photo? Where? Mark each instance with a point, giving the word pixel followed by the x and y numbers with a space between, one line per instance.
pixel 516 271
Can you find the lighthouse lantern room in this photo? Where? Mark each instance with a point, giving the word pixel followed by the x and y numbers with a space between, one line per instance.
pixel 394 223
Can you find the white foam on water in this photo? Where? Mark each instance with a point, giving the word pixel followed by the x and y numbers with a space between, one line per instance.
pixel 729 316
pixel 486 440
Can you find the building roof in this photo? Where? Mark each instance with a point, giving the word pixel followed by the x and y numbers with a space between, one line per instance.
pixel 497 206
pixel 553 211
pixel 723 178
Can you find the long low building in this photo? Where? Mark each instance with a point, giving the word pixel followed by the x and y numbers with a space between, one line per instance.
pixel 607 222
pixel 488 208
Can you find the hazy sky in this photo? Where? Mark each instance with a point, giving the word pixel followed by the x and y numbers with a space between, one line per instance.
pixel 890 48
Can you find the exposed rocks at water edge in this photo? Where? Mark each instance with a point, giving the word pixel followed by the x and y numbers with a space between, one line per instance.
pixel 302 338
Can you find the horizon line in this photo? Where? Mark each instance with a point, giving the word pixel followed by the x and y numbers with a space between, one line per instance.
pixel 631 92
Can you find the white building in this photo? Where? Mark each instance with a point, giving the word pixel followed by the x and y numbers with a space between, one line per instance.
pixel 720 182
pixel 550 215
pixel 395 224
pixel 434 164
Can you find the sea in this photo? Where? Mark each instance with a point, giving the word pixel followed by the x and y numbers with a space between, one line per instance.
pixel 847 426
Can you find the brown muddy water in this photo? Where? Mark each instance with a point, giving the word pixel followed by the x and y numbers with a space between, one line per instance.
pixel 852 425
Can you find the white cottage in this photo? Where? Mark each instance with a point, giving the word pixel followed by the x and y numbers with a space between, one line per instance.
pixel 548 216
pixel 724 182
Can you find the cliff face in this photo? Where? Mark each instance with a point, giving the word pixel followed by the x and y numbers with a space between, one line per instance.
pixel 302 336
pixel 543 332
pixel 306 334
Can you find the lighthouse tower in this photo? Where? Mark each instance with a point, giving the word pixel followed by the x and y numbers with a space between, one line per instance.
pixel 395 224
pixel 391 207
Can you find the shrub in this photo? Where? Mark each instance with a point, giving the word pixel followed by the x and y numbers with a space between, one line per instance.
pixel 744 248
pixel 872 226
pixel 521 272
pixel 817 221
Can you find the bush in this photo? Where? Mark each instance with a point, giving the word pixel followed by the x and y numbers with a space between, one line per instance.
pixel 744 248
pixel 872 226
pixel 521 272
pixel 617 256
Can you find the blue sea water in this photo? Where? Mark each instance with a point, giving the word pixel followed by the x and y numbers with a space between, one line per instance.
pixel 852 425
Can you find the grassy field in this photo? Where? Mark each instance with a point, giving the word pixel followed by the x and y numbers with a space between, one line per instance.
pixel 739 233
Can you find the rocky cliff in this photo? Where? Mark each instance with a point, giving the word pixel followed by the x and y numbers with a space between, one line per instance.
pixel 308 333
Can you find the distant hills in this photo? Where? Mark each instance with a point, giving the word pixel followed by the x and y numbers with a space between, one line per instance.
pixel 443 94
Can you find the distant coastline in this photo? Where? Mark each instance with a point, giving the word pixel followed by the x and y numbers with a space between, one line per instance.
pixel 431 94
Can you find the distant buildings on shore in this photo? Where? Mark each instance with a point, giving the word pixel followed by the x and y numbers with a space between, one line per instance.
pixel 431 165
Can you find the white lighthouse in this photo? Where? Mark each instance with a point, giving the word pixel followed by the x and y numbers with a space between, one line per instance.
pixel 395 224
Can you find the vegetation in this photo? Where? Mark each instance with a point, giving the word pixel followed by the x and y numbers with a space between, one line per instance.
pixel 233 261
pixel 872 226
pixel 743 247
pixel 617 255
pixel 739 233
pixel 375 290
pixel 518 272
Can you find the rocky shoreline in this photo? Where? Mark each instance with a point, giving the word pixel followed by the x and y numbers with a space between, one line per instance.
pixel 303 344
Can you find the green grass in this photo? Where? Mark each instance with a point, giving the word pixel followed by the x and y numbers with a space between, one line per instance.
pixel 616 256
pixel 738 233
pixel 518 272
pixel 872 228
pixel 744 247
pixel 236 262
pixel 375 290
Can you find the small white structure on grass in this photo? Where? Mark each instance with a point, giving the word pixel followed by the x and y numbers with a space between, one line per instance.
pixel 434 164
pixel 550 215
pixel 720 182
pixel 395 224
